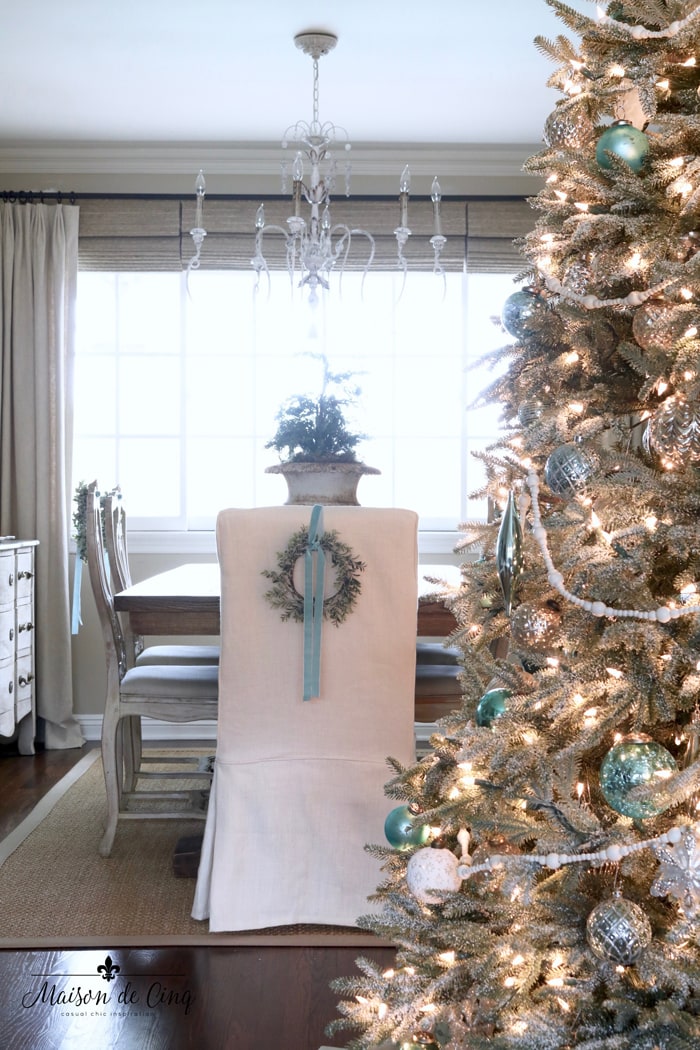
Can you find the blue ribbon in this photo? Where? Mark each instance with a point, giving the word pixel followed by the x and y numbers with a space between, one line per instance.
pixel 314 573
pixel 76 619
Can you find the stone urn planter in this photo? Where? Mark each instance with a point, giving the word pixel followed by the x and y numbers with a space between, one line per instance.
pixel 329 483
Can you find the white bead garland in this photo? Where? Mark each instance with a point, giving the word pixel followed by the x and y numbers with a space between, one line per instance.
pixel 664 614
pixel 553 861
pixel 592 302
pixel 642 33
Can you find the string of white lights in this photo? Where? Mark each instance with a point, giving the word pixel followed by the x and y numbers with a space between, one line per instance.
pixel 663 614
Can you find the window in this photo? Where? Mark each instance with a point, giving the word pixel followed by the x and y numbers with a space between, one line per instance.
pixel 177 388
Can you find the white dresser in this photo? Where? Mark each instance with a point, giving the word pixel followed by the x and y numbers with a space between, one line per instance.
pixel 17 647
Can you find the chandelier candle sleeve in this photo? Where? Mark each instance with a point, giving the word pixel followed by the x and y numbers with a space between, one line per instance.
pixel 199 188
pixel 404 190
pixel 436 197
pixel 297 176
pixel 197 233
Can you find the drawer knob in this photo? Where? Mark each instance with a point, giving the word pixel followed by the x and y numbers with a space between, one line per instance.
pixel 28 626
pixel 25 574
pixel 11 580
pixel 25 679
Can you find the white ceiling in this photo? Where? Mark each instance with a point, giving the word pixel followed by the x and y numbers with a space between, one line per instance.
pixel 227 71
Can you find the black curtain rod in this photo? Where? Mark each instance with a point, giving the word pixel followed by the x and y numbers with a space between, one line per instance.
pixel 73 197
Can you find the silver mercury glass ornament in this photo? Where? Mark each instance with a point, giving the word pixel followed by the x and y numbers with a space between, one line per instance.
pixel 618 931
pixel 568 469
pixel 509 551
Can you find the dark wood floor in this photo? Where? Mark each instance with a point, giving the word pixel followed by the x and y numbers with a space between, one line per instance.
pixel 170 998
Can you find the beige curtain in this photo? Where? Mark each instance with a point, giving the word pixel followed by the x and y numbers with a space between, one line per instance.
pixel 38 278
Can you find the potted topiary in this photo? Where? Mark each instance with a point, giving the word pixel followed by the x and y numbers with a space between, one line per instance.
pixel 316 445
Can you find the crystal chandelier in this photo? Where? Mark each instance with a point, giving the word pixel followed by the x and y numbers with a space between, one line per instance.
pixel 316 245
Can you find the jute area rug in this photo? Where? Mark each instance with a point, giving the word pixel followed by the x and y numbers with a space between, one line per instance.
pixel 57 891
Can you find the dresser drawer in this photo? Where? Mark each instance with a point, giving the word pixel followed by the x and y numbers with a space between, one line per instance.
pixel 7 579
pixel 24 690
pixel 24 582
pixel 7 634
pixel 25 628
pixel 7 698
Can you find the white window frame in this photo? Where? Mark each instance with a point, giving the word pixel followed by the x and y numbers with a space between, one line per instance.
pixel 170 535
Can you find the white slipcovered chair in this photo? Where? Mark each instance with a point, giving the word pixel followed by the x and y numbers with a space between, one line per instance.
pixel 298 787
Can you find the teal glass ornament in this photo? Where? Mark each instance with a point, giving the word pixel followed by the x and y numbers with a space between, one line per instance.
pixel 404 829
pixel 635 761
pixel 518 310
pixel 491 706
pixel 626 142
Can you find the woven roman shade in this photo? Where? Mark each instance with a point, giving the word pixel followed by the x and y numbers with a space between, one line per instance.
pixel 129 234
pixel 493 227
pixel 143 234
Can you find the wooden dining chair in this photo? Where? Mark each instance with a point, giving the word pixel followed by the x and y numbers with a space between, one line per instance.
pixel 173 693
pixel 438 684
pixel 116 543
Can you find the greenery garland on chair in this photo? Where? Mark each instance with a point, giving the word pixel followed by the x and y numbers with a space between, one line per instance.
pixel 80 520
pixel 80 517
pixel 283 594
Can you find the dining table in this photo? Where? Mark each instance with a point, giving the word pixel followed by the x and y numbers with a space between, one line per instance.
pixel 185 601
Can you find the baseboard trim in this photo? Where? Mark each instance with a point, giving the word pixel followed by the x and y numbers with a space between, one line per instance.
pixel 154 729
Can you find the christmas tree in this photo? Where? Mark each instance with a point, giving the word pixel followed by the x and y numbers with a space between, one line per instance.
pixel 543 874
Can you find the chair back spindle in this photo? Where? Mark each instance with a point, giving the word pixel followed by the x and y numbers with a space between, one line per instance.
pixel 115 646
pixel 116 539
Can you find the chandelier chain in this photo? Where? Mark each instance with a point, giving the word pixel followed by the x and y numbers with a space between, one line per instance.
pixel 315 123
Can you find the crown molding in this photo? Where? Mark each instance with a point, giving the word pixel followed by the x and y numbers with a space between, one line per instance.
pixel 375 168
pixel 253 158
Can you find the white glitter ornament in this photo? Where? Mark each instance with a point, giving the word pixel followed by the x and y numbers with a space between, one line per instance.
pixel 432 869
pixel 536 627
pixel 679 872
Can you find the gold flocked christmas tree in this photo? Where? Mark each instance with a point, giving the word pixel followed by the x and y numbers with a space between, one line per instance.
pixel 543 888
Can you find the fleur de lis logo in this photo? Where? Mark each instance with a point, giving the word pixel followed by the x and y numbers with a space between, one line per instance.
pixel 110 969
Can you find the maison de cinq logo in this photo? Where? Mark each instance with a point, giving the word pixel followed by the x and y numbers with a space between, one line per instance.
pixel 147 994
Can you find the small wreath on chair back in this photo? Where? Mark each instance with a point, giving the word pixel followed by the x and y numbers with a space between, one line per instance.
pixel 283 594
